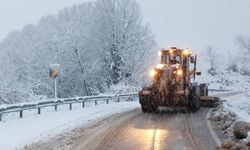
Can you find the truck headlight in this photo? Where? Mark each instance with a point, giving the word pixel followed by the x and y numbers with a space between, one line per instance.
pixel 160 53
pixel 179 72
pixel 171 51
pixel 160 66
pixel 152 73
pixel 185 52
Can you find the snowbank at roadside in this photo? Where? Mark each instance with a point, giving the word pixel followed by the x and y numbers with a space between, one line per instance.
pixel 19 132
pixel 233 119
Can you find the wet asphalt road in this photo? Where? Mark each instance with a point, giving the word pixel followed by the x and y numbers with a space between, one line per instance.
pixel 156 131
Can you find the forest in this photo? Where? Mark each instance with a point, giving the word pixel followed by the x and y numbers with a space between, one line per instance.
pixel 100 46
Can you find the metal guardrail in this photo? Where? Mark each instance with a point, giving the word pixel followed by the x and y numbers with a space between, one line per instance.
pixel 68 101
pixel 216 90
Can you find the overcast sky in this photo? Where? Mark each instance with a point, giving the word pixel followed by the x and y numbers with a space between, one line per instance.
pixel 189 23
pixel 15 14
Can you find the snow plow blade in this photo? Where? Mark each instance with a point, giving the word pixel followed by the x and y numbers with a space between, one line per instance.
pixel 209 101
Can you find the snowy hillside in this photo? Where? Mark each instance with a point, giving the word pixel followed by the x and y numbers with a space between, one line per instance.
pixel 240 105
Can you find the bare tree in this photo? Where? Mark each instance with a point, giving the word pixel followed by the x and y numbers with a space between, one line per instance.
pixel 243 57
pixel 125 42
pixel 243 43
pixel 212 56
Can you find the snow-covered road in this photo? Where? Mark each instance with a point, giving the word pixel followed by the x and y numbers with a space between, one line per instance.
pixel 15 134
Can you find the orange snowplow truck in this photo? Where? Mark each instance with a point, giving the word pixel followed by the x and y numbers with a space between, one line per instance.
pixel 174 83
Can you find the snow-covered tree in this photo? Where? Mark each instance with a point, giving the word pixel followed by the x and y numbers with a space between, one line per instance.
pixel 243 64
pixel 124 41
pixel 97 44
pixel 212 57
pixel 243 43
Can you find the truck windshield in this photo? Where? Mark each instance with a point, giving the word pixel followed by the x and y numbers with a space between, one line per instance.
pixel 170 59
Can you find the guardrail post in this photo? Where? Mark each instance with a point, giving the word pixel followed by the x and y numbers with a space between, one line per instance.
pixel 0 117
pixel 39 111
pixel 83 104
pixel 107 101
pixel 55 107
pixel 21 114
pixel 70 106
pixel 95 102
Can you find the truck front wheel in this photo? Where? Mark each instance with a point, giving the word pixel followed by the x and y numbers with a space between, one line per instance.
pixel 194 99
pixel 149 109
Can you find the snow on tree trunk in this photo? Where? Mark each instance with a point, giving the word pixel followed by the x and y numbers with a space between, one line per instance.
pixel 115 65
pixel 212 59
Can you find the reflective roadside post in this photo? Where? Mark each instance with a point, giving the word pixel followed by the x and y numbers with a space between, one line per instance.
pixel 54 70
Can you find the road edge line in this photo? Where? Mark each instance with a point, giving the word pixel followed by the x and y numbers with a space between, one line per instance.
pixel 211 130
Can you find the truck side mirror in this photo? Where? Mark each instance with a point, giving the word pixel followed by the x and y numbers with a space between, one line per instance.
pixel 198 73
pixel 192 59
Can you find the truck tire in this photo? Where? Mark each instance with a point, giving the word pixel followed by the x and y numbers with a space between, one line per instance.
pixel 203 89
pixel 146 101
pixel 194 99
pixel 149 109
pixel 144 109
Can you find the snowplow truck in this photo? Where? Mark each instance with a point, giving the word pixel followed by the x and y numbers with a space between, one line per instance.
pixel 174 84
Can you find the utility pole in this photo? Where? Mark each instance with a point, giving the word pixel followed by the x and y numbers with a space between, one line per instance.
pixel 55 89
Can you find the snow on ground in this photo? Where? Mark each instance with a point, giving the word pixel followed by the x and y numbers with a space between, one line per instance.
pixel 17 133
pixel 239 104
pixel 225 80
